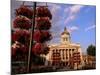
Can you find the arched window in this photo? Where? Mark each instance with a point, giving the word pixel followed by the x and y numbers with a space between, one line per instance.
pixel 73 49
pixel 66 39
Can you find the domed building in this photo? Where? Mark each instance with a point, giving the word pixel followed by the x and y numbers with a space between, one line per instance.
pixel 65 54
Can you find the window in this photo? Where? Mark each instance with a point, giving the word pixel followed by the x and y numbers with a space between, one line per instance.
pixel 66 56
pixel 69 52
pixel 53 51
pixel 73 49
pixel 56 50
pixel 66 49
pixel 63 39
pixel 66 39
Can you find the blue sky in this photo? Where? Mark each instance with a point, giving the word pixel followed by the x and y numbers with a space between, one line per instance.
pixel 80 21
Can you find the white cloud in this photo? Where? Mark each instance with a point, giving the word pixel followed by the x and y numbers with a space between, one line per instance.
pixel 72 11
pixel 69 18
pixel 90 28
pixel 75 9
pixel 66 10
pixel 73 28
pixel 54 8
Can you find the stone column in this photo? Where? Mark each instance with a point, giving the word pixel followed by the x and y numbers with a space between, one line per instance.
pixel 61 55
pixel 68 54
pixel 65 56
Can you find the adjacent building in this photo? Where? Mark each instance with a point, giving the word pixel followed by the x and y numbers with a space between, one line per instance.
pixel 89 61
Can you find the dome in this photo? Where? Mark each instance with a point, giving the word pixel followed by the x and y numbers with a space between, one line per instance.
pixel 65 32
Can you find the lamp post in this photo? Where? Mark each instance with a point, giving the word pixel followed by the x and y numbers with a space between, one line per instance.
pixel 31 38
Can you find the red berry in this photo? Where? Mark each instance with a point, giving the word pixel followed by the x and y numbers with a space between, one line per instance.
pixel 22 22
pixel 43 12
pixel 37 49
pixel 24 11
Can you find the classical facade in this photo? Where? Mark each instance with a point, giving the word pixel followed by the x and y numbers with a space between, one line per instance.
pixel 65 53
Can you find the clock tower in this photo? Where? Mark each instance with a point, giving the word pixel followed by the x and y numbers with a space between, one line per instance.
pixel 65 36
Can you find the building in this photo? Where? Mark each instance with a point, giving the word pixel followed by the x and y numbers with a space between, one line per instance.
pixel 89 62
pixel 66 53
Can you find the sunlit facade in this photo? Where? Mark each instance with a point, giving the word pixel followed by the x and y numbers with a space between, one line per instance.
pixel 65 54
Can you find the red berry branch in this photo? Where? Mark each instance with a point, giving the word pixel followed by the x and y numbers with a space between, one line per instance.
pixel 21 34
pixel 24 11
pixel 43 12
pixel 42 36
pixel 22 22
pixel 41 33
pixel 43 23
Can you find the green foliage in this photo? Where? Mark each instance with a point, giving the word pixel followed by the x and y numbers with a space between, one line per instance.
pixel 91 50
